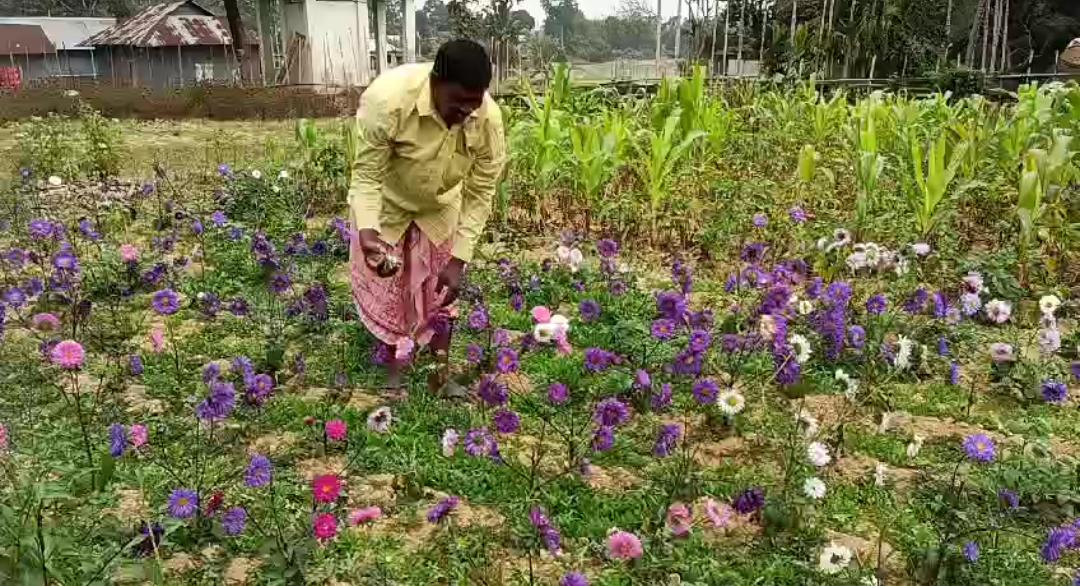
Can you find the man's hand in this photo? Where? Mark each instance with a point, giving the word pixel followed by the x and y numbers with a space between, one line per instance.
pixel 375 253
pixel 450 281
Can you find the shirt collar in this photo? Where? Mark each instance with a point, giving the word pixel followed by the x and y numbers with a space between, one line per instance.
pixel 425 102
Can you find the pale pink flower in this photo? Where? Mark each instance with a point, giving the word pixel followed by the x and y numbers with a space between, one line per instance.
pixel 157 340
pixel 719 513
pixel 3 438
pixel 138 435
pixel 68 355
pixel 364 515
pixel 45 322
pixel 403 350
pixel 128 253
pixel 623 545
pixel 449 442
pixel 679 519
pixel 541 314
pixel 336 430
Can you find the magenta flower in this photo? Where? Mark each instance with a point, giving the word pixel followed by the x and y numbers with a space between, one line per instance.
pixel 336 430
pixel 325 526
pixel 68 355
pixel 624 546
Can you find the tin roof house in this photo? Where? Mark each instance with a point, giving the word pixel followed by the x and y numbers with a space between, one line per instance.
pixel 34 49
pixel 172 45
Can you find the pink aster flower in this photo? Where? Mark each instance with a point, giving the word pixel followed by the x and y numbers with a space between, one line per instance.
pixel 679 519
pixel 157 340
pixel 139 435
pixel 326 488
pixel 718 513
pixel 336 430
pixel 3 438
pixel 128 253
pixel 68 355
pixel 403 350
pixel 623 545
pixel 325 527
pixel 45 322
pixel 541 314
pixel 364 515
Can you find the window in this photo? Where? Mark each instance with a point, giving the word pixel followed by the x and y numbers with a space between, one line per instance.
pixel 204 72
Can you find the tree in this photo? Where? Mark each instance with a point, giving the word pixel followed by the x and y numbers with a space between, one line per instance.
pixel 236 29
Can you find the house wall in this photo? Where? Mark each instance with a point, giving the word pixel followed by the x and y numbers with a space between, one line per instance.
pixel 337 42
pixel 62 64
pixel 170 67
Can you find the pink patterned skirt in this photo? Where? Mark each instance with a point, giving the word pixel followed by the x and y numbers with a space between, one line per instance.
pixel 403 308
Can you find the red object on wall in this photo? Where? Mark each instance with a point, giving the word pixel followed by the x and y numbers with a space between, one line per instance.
pixel 10 78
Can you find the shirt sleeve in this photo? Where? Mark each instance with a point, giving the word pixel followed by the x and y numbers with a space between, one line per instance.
pixel 478 189
pixel 375 127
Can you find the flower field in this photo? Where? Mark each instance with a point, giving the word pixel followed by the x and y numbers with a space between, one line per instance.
pixel 750 336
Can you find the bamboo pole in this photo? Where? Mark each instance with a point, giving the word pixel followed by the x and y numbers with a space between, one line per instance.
pixel 1005 65
pixel 794 20
pixel 985 34
pixel 678 27
pixel 994 42
pixel 727 21
pixel 712 50
pixel 742 27
pixel 659 37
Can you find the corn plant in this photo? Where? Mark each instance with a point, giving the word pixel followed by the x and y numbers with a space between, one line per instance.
pixel 663 151
pixel 598 152
pixel 869 163
pixel 927 188
pixel 1028 208
pixel 538 138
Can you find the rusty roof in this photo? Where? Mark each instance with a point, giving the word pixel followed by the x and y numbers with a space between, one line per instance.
pixel 180 23
pixel 24 39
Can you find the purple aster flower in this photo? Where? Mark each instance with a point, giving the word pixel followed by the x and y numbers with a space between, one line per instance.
pixel 917 302
pixel 65 260
pixel 753 252
pixel 474 354
pixel 211 372
pixel 183 503
pixel 798 215
pixel 166 302
pixel 705 391
pixel 506 360
pixel 280 283
pixel 857 337
pixel 607 248
pixel 259 388
pixel 943 346
pixel 218 218
pixel 663 329
pixel 749 500
pixel 1009 499
pixel 34 287
pixel 16 258
pixel 118 440
pixel 617 288
pixel 760 220
pixel 492 392
pixel 41 229
pixel 597 360
pixel 574 579
pixel 687 363
pixel 671 305
pixel 979 448
pixel 941 305
pixel 815 287
pixel 224 170
pixel 971 552
pixel 603 439
pixel 590 310
pixel 1075 369
pixel 259 472
pixel 135 365
pixel 86 228
pixel 478 319
pixel 662 399
pixel 506 421
pixel 1054 391
pixel 876 305
pixel 441 509
pixel 700 340
pixel 234 521
pixel 549 535
pixel 611 412
pixel 479 443
pixel 197 227
pixel 702 320
pixel 1058 541
pixel 970 304
pixel 667 440
pixel 954 374
pixel 642 380
pixel 558 393
pixel 730 343
pixel 517 302
pixel 15 297
pixel 238 307
pixel 219 404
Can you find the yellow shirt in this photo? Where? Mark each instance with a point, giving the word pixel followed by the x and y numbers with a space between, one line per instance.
pixel 411 168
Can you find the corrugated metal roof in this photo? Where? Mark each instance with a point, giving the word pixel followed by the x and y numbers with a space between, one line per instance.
pixel 158 26
pixel 64 33
pixel 23 39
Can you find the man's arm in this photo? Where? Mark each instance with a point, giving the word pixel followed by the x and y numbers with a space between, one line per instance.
pixel 375 127
pixel 478 188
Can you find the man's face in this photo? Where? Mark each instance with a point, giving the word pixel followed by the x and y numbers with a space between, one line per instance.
pixel 455 103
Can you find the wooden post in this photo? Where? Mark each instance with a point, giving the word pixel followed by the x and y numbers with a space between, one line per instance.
pixel 180 63
pixel 712 50
pixel 659 37
pixel 408 36
pixel 265 19
pixel 727 21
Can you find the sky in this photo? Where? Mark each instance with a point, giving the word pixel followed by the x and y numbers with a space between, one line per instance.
pixel 591 8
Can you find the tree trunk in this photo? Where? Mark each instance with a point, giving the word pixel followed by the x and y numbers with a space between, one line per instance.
pixel 659 37
pixel 997 32
pixel 236 29
pixel 712 51
pixel 985 33
pixel 973 36
pixel 948 29
pixel 678 27
pixel 794 21
pixel 742 27
pixel 727 22
pixel 1005 65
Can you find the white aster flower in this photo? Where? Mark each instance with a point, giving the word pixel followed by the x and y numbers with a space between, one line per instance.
pixel 563 253
pixel 283 174
pixel 256 174
pixel 901 267
pixel 814 488
pixel 998 311
pixel 834 559
pixel 1048 304
pixel 920 248
pixel 806 307
pixel 379 420
pixel 818 454
pixel 856 260
pixel 55 181
pixel 807 424
pixel 841 237
pixel 575 259
pixel 72 93
pixel 801 346
pixel 973 281
pixel 449 442
pixel 872 252
pixel 869 581
pixel 851 386
pixel 903 354
pixel 544 333
pixel 915 445
pixel 731 402
pixel 767 326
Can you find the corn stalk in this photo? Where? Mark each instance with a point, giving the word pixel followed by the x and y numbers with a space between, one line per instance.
pixel 932 184
pixel 869 163
pixel 663 152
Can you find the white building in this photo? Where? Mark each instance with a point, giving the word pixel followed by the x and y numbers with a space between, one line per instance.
pixel 329 42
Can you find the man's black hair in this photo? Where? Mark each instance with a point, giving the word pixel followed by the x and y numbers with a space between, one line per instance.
pixel 463 62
